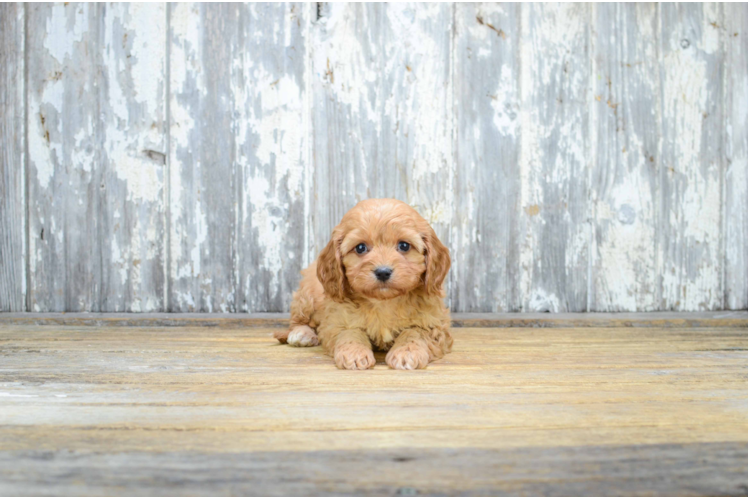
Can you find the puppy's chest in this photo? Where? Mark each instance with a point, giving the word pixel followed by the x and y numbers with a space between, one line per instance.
pixel 383 325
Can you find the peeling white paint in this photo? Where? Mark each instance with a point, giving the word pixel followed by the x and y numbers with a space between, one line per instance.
pixel 503 102
pixel 268 225
pixel 40 156
pixel 626 256
pixel 146 20
pixel 691 262
pixel 554 38
pixel 543 301
pixel 735 218
pixel 185 69
pixel 59 41
pixel 379 82
pixel 134 58
pixel 142 177
pixel 277 129
pixel 623 243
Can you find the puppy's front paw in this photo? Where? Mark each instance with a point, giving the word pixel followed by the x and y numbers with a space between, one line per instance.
pixel 411 356
pixel 302 336
pixel 354 357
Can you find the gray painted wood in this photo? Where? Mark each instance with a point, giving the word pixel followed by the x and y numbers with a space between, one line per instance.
pixel 691 157
pixel 202 167
pixel 668 319
pixel 554 157
pixel 132 107
pixel 381 111
pixel 66 186
pixel 624 190
pixel 269 87
pixel 735 223
pixel 12 159
pixel 195 157
pixel 485 231
pixel 96 157
pixel 238 159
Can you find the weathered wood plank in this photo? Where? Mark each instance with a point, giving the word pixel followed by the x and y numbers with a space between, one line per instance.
pixel 12 159
pixel 385 100
pixel 132 107
pixel 691 157
pixel 381 111
pixel 735 35
pixel 731 319
pixel 269 93
pixel 612 373
pixel 88 410
pixel 554 157
pixel 202 166
pixel 702 469
pixel 485 232
pixel 64 181
pixel 624 178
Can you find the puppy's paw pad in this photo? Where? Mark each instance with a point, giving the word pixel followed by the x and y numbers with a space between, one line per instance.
pixel 408 357
pixel 302 336
pixel 354 357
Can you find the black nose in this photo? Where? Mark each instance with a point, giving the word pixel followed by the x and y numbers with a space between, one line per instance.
pixel 383 273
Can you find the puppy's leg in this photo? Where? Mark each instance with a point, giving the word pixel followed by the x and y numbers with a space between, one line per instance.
pixel 301 333
pixel 302 336
pixel 352 350
pixel 415 348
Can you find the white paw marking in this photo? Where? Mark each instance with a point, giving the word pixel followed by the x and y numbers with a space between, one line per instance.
pixel 302 336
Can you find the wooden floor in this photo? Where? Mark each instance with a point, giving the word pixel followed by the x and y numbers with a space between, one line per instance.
pixel 201 410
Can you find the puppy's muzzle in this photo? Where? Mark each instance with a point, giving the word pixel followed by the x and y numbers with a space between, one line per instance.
pixel 383 273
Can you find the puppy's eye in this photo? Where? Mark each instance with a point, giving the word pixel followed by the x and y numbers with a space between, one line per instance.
pixel 403 246
pixel 361 248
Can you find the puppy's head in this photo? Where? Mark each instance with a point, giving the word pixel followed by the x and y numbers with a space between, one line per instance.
pixel 382 249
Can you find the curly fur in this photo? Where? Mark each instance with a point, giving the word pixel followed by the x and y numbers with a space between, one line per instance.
pixel 350 312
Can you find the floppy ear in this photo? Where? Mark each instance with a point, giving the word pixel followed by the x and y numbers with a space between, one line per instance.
pixel 437 263
pixel 330 270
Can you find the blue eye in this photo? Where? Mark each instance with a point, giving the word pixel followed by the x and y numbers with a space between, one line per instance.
pixel 403 246
pixel 360 248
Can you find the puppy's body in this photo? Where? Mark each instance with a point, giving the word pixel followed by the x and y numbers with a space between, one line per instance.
pixel 388 297
pixel 382 320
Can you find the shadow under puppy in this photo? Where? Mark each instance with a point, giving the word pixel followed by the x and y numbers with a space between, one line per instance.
pixel 377 284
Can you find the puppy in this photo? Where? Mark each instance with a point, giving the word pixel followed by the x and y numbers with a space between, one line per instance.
pixel 377 284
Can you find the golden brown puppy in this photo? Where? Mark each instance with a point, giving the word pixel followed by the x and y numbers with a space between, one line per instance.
pixel 377 284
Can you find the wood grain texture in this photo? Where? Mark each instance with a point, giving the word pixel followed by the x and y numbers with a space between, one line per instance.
pixel 624 180
pixel 735 223
pixel 238 161
pixel 381 111
pixel 202 166
pixel 485 231
pixel 206 410
pixel 554 157
pixel 194 157
pixel 12 159
pixel 132 107
pixel 66 184
pixel 269 88
pixel 708 469
pixel 691 157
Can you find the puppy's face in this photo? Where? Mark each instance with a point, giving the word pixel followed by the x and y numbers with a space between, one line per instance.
pixel 380 250
pixel 383 260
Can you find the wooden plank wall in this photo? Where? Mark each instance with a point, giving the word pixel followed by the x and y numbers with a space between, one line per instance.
pixel 194 157
pixel 12 159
